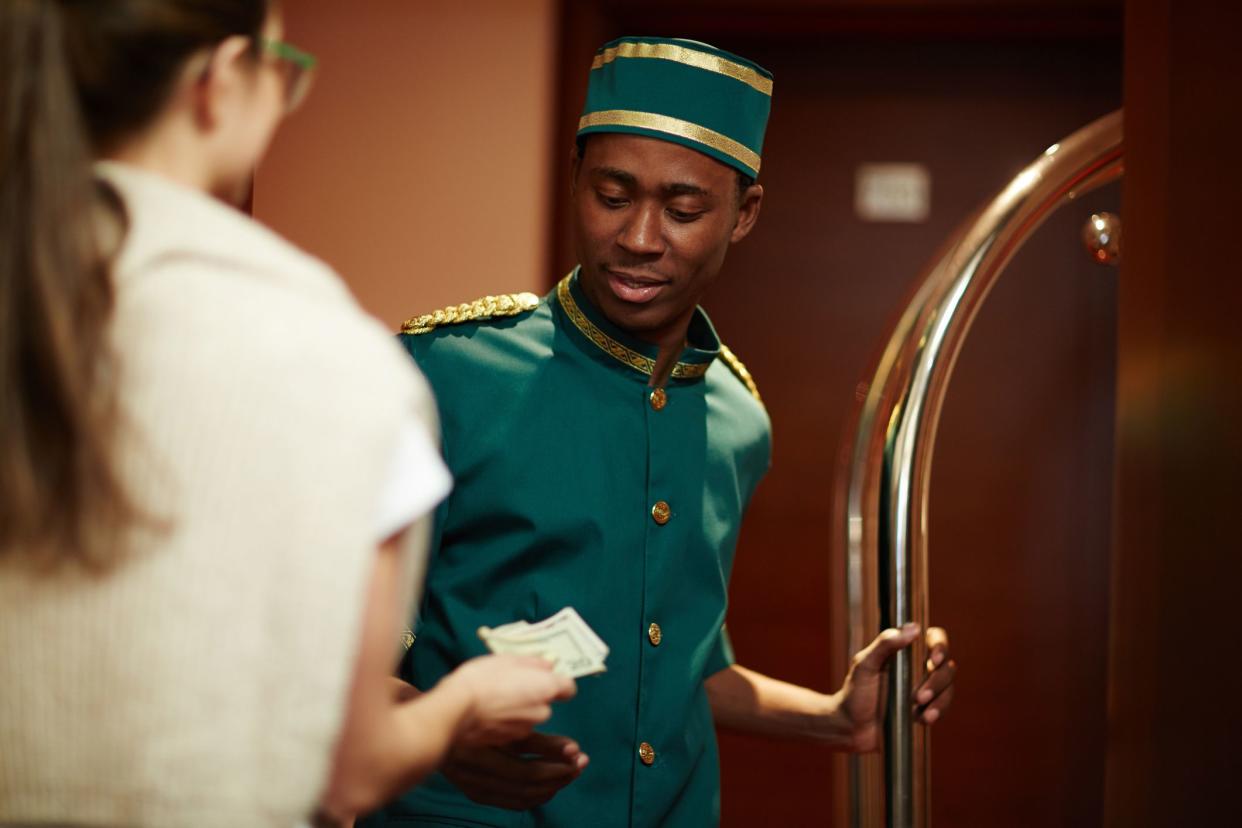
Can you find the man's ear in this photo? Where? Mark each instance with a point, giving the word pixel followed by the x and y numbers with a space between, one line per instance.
pixel 747 212
pixel 228 72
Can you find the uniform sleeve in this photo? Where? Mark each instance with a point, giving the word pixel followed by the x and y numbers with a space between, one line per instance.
pixel 721 657
pixel 757 462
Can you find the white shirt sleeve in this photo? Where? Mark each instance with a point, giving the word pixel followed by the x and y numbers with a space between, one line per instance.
pixel 417 480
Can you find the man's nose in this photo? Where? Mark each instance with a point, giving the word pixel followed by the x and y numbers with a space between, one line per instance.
pixel 642 234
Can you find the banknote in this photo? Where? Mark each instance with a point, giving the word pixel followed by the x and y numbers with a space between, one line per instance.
pixel 563 639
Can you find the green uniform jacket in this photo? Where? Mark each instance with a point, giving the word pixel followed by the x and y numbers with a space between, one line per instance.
pixel 575 487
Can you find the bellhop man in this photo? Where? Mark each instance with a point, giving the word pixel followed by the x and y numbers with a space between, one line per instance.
pixel 605 444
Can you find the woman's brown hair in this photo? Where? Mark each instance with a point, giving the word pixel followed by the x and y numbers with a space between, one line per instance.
pixel 76 78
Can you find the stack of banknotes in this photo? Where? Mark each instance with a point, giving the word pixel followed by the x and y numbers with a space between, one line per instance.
pixel 563 639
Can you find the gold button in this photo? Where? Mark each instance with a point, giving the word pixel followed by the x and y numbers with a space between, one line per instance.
pixel 647 753
pixel 655 634
pixel 659 399
pixel 660 512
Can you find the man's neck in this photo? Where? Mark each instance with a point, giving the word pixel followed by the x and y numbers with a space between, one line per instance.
pixel 671 342
pixel 665 362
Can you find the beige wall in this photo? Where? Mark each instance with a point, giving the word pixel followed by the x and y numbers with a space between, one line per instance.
pixel 419 166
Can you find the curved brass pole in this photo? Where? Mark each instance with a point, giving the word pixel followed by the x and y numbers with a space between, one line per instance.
pixel 885 510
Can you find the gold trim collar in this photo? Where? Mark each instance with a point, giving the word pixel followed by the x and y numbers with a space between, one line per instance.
pixel 616 350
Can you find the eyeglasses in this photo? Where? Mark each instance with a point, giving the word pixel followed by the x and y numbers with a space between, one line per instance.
pixel 299 70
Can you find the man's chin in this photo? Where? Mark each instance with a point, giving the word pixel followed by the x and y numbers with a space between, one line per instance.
pixel 643 321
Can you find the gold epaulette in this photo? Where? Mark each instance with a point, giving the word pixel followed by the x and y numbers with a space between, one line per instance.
pixel 489 307
pixel 738 368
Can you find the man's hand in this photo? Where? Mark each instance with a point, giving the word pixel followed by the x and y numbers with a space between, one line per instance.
pixel 935 694
pixel 519 776
pixel 862 696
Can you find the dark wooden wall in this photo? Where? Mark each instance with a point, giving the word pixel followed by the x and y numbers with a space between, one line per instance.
pixel 1174 671
pixel 1021 503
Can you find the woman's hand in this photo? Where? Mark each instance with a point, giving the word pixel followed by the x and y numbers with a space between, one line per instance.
pixel 508 696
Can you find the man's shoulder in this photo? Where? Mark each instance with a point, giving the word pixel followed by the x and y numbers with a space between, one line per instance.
pixel 732 382
pixel 736 408
pixel 486 309
pixel 491 337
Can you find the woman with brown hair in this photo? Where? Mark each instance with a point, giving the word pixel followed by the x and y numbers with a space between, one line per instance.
pixel 215 470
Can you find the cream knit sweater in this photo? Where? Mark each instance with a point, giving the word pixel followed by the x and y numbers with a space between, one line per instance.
pixel 203 682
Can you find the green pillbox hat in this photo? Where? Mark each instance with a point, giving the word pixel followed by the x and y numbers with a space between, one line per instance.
pixel 682 91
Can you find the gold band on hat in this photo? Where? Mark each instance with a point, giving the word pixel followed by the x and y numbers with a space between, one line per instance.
pixel 673 126
pixel 689 57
